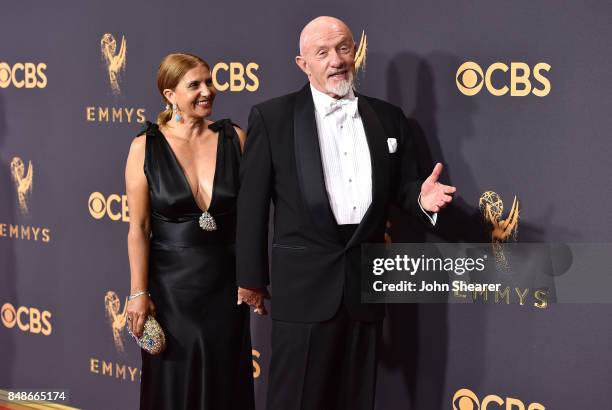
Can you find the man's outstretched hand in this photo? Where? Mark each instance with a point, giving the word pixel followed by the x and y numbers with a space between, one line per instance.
pixel 434 195
pixel 254 297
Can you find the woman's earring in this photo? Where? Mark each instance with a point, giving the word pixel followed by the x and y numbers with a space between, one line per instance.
pixel 177 116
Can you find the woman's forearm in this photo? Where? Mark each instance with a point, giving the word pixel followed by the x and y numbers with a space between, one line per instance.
pixel 138 253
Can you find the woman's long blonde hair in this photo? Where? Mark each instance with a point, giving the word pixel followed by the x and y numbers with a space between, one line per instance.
pixel 171 69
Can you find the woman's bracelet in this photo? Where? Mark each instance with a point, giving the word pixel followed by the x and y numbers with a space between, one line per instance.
pixel 137 294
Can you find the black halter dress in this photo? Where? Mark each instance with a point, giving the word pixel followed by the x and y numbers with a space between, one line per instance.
pixel 208 362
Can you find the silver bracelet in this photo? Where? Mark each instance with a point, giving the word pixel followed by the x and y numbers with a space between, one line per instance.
pixel 137 294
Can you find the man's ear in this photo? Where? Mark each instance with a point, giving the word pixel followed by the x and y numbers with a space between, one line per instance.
pixel 299 60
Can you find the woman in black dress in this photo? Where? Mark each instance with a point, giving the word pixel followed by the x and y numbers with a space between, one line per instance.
pixel 182 182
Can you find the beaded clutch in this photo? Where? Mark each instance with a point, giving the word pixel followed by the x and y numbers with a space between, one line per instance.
pixel 153 339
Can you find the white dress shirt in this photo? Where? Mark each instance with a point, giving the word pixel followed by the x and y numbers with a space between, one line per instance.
pixel 345 156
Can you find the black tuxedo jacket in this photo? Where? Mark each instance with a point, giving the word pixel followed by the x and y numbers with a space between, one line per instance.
pixel 313 268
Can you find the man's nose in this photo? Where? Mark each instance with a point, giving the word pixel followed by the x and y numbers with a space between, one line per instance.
pixel 336 61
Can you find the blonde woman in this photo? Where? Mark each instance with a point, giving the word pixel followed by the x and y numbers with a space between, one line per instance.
pixel 182 181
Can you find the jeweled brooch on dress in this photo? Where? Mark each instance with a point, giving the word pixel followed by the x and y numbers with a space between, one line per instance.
pixel 207 222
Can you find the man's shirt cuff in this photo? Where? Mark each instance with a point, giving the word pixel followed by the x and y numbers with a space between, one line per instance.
pixel 433 217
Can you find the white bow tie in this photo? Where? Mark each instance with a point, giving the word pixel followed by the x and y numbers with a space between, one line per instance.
pixel 346 105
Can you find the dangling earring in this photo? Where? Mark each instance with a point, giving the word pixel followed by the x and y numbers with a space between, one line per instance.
pixel 177 116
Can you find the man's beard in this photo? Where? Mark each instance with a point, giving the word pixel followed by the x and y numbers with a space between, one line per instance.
pixel 343 87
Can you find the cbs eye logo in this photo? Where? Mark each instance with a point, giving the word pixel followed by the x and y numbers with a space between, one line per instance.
pixel 465 399
pixel 470 78
pixel 23 75
pixel 27 319
pixel 114 206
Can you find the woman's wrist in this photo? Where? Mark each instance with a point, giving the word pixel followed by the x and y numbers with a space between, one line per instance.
pixel 138 293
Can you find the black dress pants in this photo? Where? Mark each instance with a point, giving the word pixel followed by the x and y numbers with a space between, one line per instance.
pixel 329 365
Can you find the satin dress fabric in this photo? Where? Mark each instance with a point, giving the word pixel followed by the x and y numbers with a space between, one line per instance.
pixel 207 363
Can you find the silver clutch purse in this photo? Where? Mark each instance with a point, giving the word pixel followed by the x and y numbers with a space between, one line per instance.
pixel 153 339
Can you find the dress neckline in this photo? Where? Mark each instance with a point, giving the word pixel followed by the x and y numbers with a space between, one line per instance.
pixel 182 170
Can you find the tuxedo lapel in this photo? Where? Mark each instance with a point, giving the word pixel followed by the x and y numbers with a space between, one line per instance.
pixel 309 165
pixel 379 158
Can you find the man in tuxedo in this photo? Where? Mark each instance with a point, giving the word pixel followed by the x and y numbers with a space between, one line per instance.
pixel 331 161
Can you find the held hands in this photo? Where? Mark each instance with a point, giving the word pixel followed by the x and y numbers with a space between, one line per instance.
pixel 254 297
pixel 138 309
pixel 434 195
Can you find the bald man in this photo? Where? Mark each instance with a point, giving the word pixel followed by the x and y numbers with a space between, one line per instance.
pixel 332 161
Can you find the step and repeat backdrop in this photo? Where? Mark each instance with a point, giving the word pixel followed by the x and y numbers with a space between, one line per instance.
pixel 513 97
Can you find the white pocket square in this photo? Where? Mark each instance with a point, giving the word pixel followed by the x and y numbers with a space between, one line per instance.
pixel 392 143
